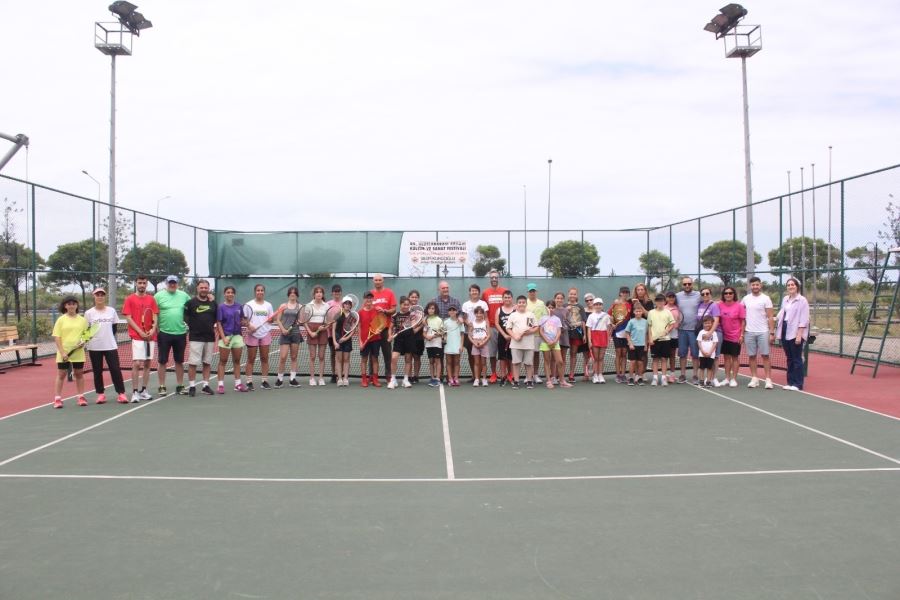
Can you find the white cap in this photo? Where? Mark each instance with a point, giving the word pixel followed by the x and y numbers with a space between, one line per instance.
pixel 598 300
pixel 347 299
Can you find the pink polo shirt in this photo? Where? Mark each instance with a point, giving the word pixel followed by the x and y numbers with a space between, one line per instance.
pixel 731 318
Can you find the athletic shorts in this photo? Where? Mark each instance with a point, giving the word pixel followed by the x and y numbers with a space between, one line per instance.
pixel 544 347
pixel 639 353
pixel 405 345
pixel 673 344
pixel 252 341
pixel 480 351
pixel 731 348
pixel 139 350
pixel 522 357
pixel 76 366
pixel 174 342
pixel 757 343
pixel 661 349
pixel 294 337
pixel 346 346
pixel 201 353
pixel 420 346
pixel 620 342
pixel 370 349
pixel 687 342
pixel 234 341
pixel 316 340
pixel 707 362
pixel 435 352
pixel 600 338
pixel 503 352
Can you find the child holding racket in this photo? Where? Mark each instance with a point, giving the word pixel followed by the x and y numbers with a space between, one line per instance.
pixel 620 313
pixel 369 343
pixel 672 307
pixel 103 347
pixel 317 335
pixel 419 334
pixel 404 341
pixel 69 352
pixel 599 327
pixel 636 336
pixel 479 336
pixel 231 342
pixel 257 315
pixel 453 344
pixel 504 355
pixel 342 331
pixel 141 313
pixel 660 322
pixel 434 342
pixel 290 339
pixel 551 332
pixel 521 327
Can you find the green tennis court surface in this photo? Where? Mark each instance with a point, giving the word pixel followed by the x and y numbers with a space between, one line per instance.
pixel 593 492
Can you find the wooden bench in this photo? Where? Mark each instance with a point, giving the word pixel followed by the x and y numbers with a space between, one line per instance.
pixel 9 334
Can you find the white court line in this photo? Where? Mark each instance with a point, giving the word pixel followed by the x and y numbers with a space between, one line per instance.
pixel 451 481
pixel 445 423
pixel 86 429
pixel 27 410
pixel 801 425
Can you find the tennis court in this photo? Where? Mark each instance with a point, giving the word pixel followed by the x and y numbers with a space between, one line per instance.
pixel 592 492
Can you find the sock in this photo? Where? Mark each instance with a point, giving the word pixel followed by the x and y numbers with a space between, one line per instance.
pixel 293 374
pixel 204 383
pixel 193 384
pixel 280 377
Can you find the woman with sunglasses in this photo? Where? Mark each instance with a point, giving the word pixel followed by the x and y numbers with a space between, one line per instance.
pixel 103 347
pixel 708 307
pixel 792 327
pixel 732 320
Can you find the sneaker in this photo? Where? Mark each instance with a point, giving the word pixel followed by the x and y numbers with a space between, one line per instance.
pixel 206 391
pixel 550 384
pixel 493 378
pixel 769 385
pixel 294 383
pixel 641 381
pixel 312 381
pixel 406 383
pixel 321 381
pixel 695 381
pixel 375 382
pixel 502 381
pixel 192 391
pixel 476 383
pixel 248 387
pixel 653 381
pixel 135 397
pixel 484 382
pixel 665 381
pixel 364 382
pixel 279 383
pixel 455 382
pixel 145 395
pixel 433 382
pixel 717 383
pixel 565 384
pixel 180 391
pixel 334 379
pixel 392 384
pixel 706 383
pixel 555 380
pixel 83 402
pixel 101 399
pixel 241 388
pixel 671 379
pixel 529 385
pixel 732 383
pixel 682 379
pixel 57 402
pixel 754 382
pixel 122 399
pixel 791 388
pixel 265 385
pixel 537 379
pixel 514 384
pixel 221 388
pixel 631 382
pixel 594 379
pixel 601 379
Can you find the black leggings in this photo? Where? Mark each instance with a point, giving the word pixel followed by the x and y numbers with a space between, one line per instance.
pixel 112 363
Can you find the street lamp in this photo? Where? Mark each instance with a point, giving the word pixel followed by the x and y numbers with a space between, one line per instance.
pixel 549 180
pixel 741 41
pixel 157 215
pixel 114 39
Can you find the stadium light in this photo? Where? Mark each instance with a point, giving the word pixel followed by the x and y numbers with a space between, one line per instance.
pixel 741 41
pixel 114 39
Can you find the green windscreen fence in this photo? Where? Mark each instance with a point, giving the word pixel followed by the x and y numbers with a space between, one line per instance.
pixel 233 253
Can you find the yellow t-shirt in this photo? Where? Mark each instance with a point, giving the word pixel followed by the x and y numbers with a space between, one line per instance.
pixel 658 321
pixel 68 330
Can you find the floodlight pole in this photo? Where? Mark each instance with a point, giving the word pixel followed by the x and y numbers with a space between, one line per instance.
pixel 549 181
pixel 748 187
pixel 111 230
pixel 525 215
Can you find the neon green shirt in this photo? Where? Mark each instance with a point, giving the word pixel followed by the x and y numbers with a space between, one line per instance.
pixel 68 330
pixel 171 311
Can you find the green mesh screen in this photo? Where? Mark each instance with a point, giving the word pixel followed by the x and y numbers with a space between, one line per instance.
pixel 233 253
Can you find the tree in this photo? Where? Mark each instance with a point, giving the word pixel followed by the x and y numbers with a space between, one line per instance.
pixel 870 260
pixel 156 261
pixel 657 265
pixel 124 236
pixel 891 233
pixel 727 259
pixel 806 253
pixel 570 258
pixel 78 263
pixel 15 262
pixel 487 259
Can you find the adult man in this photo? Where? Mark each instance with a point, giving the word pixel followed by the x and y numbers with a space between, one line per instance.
pixel 200 315
pixel 538 309
pixel 493 297
pixel 172 333
pixel 468 315
pixel 688 299
pixel 141 313
pixel 385 302
pixel 444 300
pixel 760 327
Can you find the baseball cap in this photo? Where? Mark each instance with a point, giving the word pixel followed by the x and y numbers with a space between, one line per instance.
pixel 347 299
pixel 171 279
pixel 624 290
pixel 99 290
pixel 598 300
pixel 531 287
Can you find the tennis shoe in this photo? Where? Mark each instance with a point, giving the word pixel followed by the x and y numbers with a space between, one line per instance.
pixel 641 381
pixel 791 388
pixel 754 382
pixel 653 381
pixel 248 387
pixel 514 384
pixel 135 397
pixel 221 388
pixel 631 382
pixel 294 383
pixel 594 379
pixel 493 378
pixel 240 388
pixel 682 379
pixel 312 381
pixel 665 381
pixel 769 385
pixel 537 378
pixel 101 399
pixel 364 382
pixel 392 384
pixel 192 391
pixel 406 383
pixel 57 402
pixel 83 402
pixel 529 385
pixel 321 381
pixel 433 382
pixel 265 385
pixel 180 391
pixel 476 383
pixel 484 382
pixel 695 381
pixel 279 383
pixel 122 399
pixel 206 391
pixel 716 383
pixel 732 383
pixel 502 381
pixel 375 382
pixel 550 384
pixel 145 395
pixel 601 379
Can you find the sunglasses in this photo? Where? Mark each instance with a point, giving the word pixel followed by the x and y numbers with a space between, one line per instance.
pixel 687 284
pixel 728 293
pixel 705 294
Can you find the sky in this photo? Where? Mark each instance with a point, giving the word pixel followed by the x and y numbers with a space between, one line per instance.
pixel 443 115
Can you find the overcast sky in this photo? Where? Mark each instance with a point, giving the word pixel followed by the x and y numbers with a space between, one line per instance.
pixel 433 114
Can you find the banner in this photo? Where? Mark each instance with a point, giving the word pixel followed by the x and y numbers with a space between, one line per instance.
pixel 434 252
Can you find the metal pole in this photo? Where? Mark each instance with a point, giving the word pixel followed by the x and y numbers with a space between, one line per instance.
pixel 802 230
pixel 33 269
pixel 549 179
pixel 843 287
pixel 111 232
pixel 828 249
pixel 525 211
pixel 790 222
pixel 815 253
pixel 751 264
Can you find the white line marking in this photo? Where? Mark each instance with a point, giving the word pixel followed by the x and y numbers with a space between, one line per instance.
pixel 447 481
pixel 445 423
pixel 27 410
pixel 801 425
pixel 86 429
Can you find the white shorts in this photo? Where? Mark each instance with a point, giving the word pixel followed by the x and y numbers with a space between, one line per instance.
pixel 201 353
pixel 522 357
pixel 139 350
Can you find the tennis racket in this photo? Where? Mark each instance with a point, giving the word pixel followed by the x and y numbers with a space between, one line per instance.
pixel 550 326
pixel 435 325
pixel 354 299
pixel 478 334
pixel 378 324
pixel 412 320
pixel 288 321
pixel 85 337
pixel 332 314
pixel 351 322
pixel 147 325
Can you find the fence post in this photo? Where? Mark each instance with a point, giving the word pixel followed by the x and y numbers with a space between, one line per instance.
pixel 843 276
pixel 33 268
pixel 671 262
pixel 699 243
pixel 733 244
pixel 582 252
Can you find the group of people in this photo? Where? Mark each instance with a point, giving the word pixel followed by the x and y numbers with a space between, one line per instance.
pixel 502 334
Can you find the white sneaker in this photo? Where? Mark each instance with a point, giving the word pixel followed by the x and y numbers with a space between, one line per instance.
pixel 601 379
pixel 717 383
pixel 312 381
pixel 665 381
pixel 732 383
pixel 537 379
pixel 769 385
pixel 653 381
pixel 791 388
pixel 321 381
pixel 406 383
pixel 594 379
pixel 754 382
pixel 145 395
pixel 392 384
pixel 484 382
pixel 135 397
pixel 476 383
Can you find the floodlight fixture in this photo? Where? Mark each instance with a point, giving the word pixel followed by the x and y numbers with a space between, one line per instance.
pixel 129 17
pixel 728 17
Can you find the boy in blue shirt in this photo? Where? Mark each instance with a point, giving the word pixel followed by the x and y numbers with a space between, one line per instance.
pixel 636 334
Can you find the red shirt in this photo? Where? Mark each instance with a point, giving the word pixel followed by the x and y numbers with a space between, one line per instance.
pixel 365 320
pixel 384 300
pixel 493 297
pixel 134 307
